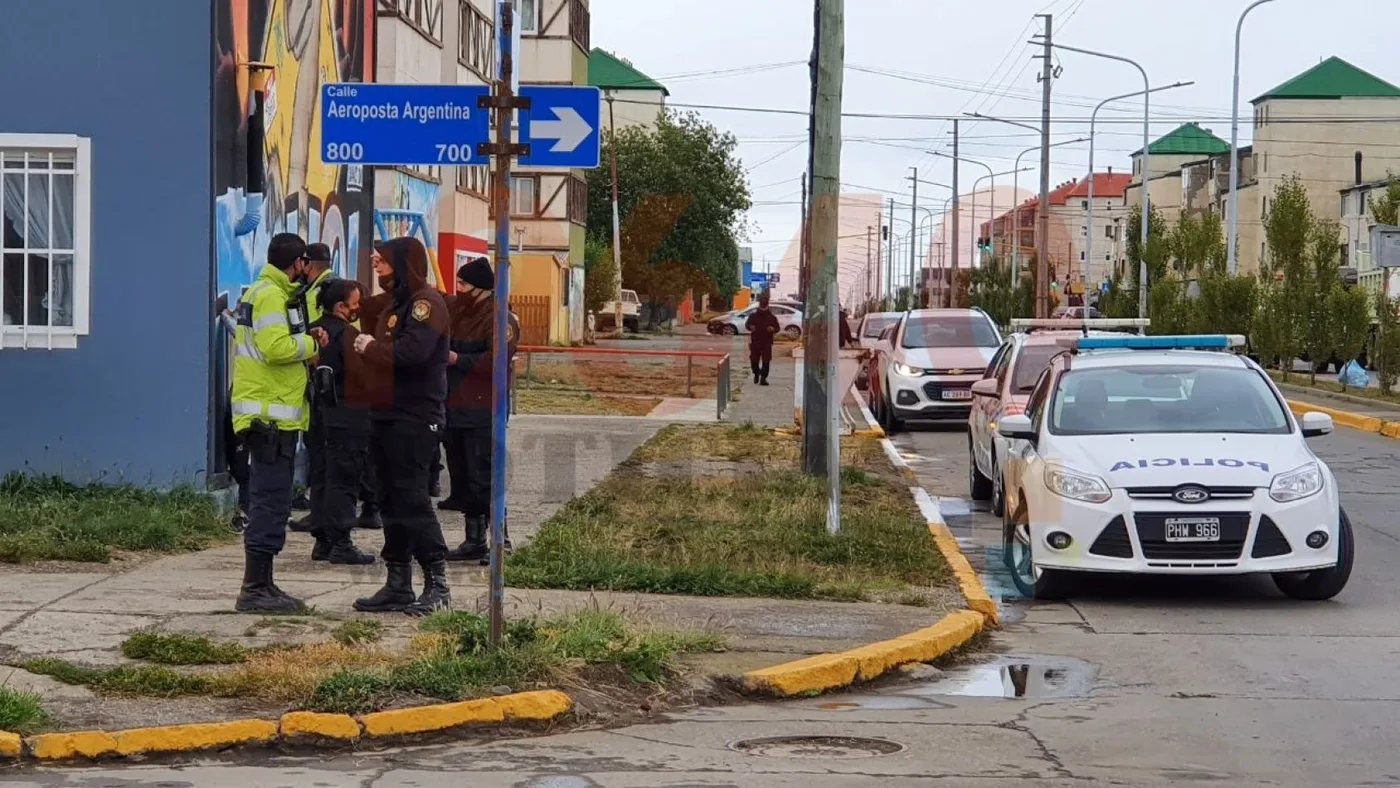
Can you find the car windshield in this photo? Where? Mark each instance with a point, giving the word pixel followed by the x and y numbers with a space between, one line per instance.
pixel 950 331
pixel 1032 361
pixel 1135 400
pixel 876 325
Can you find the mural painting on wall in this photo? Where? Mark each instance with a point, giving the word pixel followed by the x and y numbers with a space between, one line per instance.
pixel 414 213
pixel 269 175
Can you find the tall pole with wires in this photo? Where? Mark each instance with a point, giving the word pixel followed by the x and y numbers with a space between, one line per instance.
pixel 913 247
pixel 957 221
pixel 889 267
pixel 1042 261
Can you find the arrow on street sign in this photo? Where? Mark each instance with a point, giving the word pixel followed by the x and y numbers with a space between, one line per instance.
pixel 568 132
pixel 563 126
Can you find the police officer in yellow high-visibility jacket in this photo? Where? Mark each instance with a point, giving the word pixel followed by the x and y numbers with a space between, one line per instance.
pixel 272 346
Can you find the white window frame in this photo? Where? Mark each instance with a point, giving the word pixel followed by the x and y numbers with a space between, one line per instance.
pixel 520 15
pixel 26 337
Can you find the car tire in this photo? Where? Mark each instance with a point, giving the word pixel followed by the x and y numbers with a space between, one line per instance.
pixel 1323 584
pixel 998 488
pixel 893 424
pixel 1018 553
pixel 729 331
pixel 792 331
pixel 979 486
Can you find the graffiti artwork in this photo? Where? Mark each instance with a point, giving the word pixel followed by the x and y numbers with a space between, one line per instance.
pixel 414 213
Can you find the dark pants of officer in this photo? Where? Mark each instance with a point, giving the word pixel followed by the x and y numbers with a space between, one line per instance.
pixel 403 457
pixel 469 463
pixel 236 455
pixel 270 492
pixel 315 440
pixel 339 466
pixel 760 360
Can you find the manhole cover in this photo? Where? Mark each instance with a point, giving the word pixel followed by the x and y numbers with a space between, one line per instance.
pixel 817 747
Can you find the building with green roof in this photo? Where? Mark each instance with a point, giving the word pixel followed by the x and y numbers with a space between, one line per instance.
pixel 636 97
pixel 1332 79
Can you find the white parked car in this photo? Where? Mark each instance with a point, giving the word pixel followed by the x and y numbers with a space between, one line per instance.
pixel 731 323
pixel 924 366
pixel 872 325
pixel 1153 455
pixel 631 312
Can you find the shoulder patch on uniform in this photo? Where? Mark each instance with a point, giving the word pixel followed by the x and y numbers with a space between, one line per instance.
pixel 422 310
pixel 393 320
pixel 510 332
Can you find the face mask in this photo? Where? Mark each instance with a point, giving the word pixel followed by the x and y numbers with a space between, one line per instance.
pixel 351 317
pixel 386 281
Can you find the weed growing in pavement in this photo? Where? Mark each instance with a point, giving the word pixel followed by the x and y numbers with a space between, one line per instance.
pixel 44 518
pixel 757 532
pixel 144 680
pixel 21 712
pixel 358 632
pixel 180 649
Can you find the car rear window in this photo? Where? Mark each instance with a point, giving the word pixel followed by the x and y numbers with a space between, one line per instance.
pixel 1032 361
pixel 950 331
pixel 1157 399
pixel 875 326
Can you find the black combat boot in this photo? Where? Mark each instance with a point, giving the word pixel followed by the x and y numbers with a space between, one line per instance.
pixel 474 549
pixel 321 551
pixel 436 595
pixel 369 517
pixel 303 525
pixel 505 536
pixel 395 596
pixel 259 594
pixel 345 553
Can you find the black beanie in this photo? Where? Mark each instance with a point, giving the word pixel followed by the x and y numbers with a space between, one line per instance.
pixel 477 273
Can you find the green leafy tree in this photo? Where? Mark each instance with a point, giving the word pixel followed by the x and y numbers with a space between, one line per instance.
pixel 682 194
pixel 1158 252
pixel 599 275
pixel 991 289
pixel 1197 245
pixel 1385 350
pixel 1272 335
pixel 1288 228
pixel 1351 320
pixel 1227 304
pixel 1319 326
pixel 1118 301
pixel 1172 312
pixel 1386 208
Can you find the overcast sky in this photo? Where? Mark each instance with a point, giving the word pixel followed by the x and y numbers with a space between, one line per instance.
pixel 973 45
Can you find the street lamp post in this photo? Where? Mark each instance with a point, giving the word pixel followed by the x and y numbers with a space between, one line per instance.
pixel 1146 162
pixel 956 160
pixel 1093 118
pixel 991 205
pixel 1231 257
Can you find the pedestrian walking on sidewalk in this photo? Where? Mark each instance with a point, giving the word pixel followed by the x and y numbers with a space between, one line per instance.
pixel 272 346
pixel 846 337
pixel 340 426
pixel 762 326
pixel 407 359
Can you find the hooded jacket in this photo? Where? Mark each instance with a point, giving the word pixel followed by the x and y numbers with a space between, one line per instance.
pixel 470 380
pixel 409 355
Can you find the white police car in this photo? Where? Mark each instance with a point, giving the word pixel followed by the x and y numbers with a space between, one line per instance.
pixel 1155 455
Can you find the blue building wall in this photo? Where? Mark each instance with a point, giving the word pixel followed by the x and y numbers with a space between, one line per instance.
pixel 132 401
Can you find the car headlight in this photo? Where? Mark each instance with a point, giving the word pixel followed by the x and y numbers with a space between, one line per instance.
pixel 1077 486
pixel 1297 484
pixel 907 371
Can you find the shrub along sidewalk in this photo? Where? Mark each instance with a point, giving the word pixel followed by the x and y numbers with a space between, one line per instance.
pixel 724 511
pixel 45 519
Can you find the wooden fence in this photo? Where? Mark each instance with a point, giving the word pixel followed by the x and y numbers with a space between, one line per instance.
pixel 533 313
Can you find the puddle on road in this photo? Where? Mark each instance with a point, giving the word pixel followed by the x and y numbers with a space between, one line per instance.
pixel 1015 677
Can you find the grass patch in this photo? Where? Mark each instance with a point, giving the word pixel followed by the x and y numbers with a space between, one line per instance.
pixel 46 518
pixel 178 649
pixel 1331 384
pixel 21 712
pixel 723 511
pixel 147 681
pixel 649 377
pixel 358 633
pixel 568 403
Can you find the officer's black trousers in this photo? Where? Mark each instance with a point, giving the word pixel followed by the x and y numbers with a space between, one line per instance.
pixel 270 493
pixel 403 458
pixel 469 463
pixel 339 464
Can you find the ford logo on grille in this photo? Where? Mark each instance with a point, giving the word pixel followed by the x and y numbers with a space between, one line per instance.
pixel 1191 494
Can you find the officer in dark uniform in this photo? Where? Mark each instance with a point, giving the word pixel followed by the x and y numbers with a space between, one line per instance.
pixel 469 404
pixel 407 355
pixel 340 426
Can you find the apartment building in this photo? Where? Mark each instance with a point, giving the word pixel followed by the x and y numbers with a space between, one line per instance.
pixel 549 207
pixel 1184 145
pixel 1111 209
pixel 636 99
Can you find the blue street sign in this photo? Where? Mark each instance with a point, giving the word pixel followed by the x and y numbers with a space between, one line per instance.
pixel 372 123
pixel 562 126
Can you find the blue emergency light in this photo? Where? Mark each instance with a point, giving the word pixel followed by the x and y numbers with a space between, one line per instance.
pixel 1177 342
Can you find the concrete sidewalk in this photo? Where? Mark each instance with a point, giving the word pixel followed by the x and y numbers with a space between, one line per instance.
pixel 83 612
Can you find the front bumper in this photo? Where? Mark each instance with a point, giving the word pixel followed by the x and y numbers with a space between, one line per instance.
pixel 932 396
pixel 1125 534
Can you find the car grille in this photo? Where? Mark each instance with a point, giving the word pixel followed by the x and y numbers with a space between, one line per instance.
pixel 958 371
pixel 1152 533
pixel 1165 493
pixel 1270 542
pixel 934 391
pixel 1113 541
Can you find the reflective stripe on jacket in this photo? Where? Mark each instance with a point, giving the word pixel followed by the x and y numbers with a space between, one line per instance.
pixel 313 296
pixel 269 362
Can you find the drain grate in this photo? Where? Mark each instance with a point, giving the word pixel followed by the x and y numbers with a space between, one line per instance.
pixel 841 747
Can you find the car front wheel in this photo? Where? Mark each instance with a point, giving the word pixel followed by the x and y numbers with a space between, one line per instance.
pixel 979 486
pixel 1321 584
pixel 729 330
pixel 792 331
pixel 998 488
pixel 1032 581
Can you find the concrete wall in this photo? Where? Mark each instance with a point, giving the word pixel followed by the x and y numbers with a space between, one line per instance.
pixel 634 107
pixel 1073 218
pixel 132 401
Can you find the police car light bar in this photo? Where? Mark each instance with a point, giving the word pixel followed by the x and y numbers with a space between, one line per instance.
pixel 1178 342
pixel 1073 324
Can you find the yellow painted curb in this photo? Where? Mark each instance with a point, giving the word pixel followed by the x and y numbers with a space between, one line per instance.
pixel 538 706
pixel 1355 421
pixel 326 726
pixel 424 719
pixel 831 671
pixel 11 745
pixel 874 432
pixel 63 746
pixel 199 736
pixel 972 589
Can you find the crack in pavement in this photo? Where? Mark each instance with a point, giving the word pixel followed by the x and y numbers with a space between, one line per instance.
pixel 54 601
pixel 1019 724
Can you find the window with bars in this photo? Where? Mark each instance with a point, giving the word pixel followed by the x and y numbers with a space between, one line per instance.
pixel 475 179
pixel 44 203
pixel 579 24
pixel 425 16
pixel 476 45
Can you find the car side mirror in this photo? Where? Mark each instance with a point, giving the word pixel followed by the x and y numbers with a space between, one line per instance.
pixel 986 387
pixel 1016 428
pixel 1316 424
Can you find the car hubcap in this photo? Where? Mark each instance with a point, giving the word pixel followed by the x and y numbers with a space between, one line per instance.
pixel 1021 554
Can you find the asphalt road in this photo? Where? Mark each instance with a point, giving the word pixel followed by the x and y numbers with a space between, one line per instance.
pixel 1132 683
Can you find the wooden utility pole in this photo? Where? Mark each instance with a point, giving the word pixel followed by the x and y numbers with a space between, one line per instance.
pixel 1042 258
pixel 956 216
pixel 819 308
pixel 616 222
